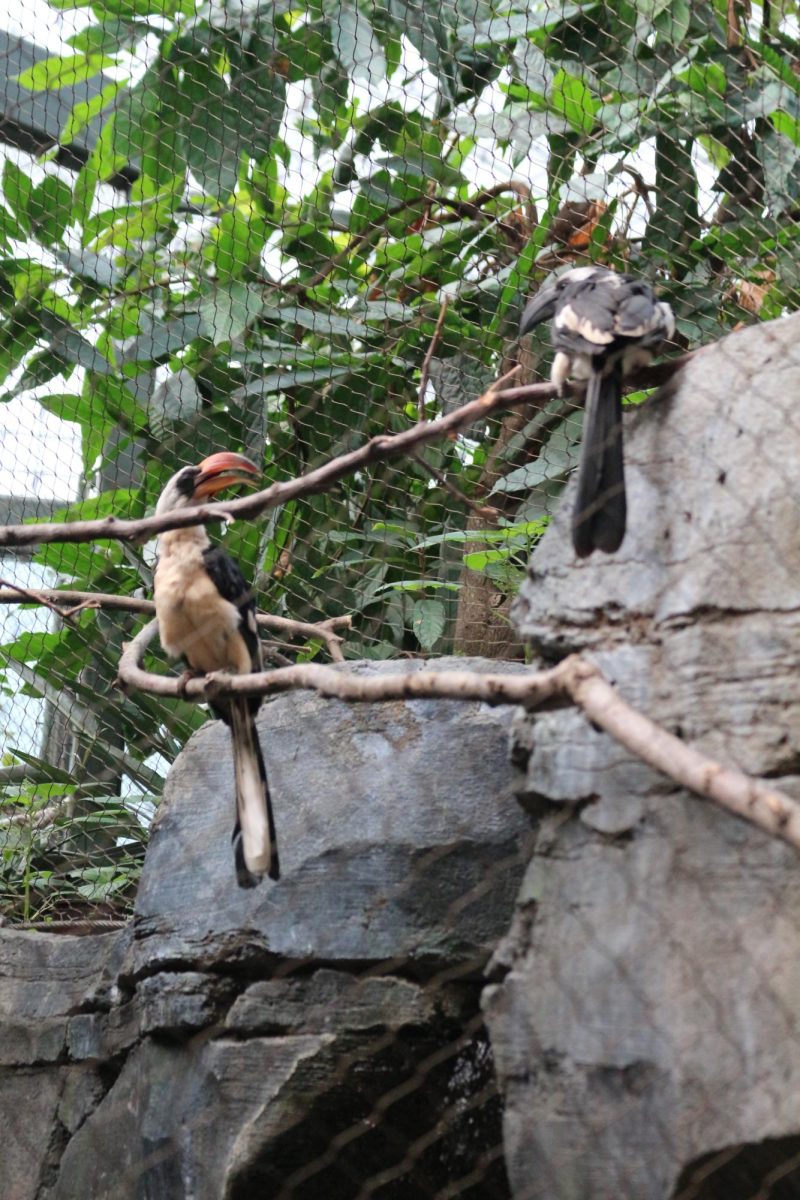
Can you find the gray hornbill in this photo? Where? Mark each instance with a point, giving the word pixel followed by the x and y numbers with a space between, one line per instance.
pixel 207 616
pixel 604 325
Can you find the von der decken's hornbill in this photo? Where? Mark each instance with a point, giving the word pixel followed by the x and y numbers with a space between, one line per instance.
pixel 604 325
pixel 207 616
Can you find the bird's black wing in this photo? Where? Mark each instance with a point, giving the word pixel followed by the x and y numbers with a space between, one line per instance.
pixel 601 321
pixel 226 575
pixel 254 805
pixel 587 323
pixel 599 516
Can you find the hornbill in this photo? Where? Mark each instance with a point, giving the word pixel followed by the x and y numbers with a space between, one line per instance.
pixel 604 325
pixel 207 616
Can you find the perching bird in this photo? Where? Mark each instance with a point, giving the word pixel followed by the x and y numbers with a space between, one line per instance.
pixel 605 325
pixel 207 616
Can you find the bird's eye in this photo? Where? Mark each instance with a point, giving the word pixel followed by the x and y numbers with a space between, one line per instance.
pixel 186 480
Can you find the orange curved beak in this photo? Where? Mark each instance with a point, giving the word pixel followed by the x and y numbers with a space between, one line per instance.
pixel 221 470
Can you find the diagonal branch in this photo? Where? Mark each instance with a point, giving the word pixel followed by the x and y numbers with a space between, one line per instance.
pixel 428 359
pixel 575 679
pixel 378 449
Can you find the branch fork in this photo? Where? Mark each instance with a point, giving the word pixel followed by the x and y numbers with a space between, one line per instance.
pixel 575 678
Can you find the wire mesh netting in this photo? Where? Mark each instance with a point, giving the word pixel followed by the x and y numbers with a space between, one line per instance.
pixel 285 230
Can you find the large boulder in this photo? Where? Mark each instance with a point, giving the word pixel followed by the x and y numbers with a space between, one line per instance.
pixel 647 1001
pixel 399 833
pixel 317 1036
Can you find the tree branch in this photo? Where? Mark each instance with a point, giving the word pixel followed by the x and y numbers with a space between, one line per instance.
pixel 574 678
pixel 426 362
pixel 50 598
pixel 378 449
pixel 530 689
pixel 26 595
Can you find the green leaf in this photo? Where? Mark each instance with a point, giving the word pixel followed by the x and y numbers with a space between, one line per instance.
pixel 88 265
pixel 258 97
pixel 60 72
pixel 70 406
pixel 478 560
pixel 108 38
pixel 209 119
pixel 50 210
pixel 18 336
pixel 555 460
pixel 39 369
pixel 17 189
pixel 176 398
pixel 522 532
pixel 324 324
pixel 355 43
pixel 160 339
pixel 72 346
pixel 426 33
pixel 235 243
pixel 787 126
pixel 279 381
pixel 428 622
pixel 228 311
pixel 416 585
pixel 10 229
pixel 85 111
pixel 570 97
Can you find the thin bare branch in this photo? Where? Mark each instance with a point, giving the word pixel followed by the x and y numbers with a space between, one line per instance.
pixel 316 631
pixel 50 597
pixel 38 818
pixel 378 449
pixel 574 678
pixel 21 594
pixel 757 802
pixel 426 362
pixel 482 510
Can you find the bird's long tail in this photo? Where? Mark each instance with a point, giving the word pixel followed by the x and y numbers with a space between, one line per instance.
pixel 598 520
pixel 255 846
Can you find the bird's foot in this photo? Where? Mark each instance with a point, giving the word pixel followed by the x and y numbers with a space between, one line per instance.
pixel 216 682
pixel 185 678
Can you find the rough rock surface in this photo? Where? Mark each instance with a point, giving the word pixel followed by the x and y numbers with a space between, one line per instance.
pixel 389 848
pixel 647 1008
pixel 318 1036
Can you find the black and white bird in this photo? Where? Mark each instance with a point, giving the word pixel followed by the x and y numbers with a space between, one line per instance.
pixel 207 616
pixel 604 325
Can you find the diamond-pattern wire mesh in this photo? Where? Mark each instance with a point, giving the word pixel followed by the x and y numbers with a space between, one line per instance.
pixel 331 218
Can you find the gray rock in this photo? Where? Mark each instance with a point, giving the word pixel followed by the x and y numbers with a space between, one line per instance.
pixel 645 1009
pixel 52 975
pixel 399 834
pixel 45 979
pixel 103 1035
pixel 197 1107
pixel 212 1050
pixel 238 1114
pixel 177 1004
pixel 29 1101
pixel 81 1092
pixel 332 1001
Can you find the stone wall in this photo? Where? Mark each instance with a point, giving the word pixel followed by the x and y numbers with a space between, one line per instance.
pixel 303 1038
pixel 648 1008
